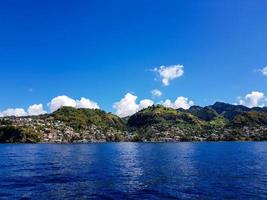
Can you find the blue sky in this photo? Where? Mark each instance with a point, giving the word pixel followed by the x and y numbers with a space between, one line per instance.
pixel 102 50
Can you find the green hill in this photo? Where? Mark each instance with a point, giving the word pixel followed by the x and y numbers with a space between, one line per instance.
pixel 218 122
pixel 206 113
pixel 161 115
pixel 229 111
pixel 250 119
pixel 81 118
pixel 11 134
pixel 258 109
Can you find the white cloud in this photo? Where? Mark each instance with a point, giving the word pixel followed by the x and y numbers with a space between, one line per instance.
pixel 156 93
pixel 56 103
pixel 145 104
pixel 17 112
pixel 264 71
pixel 86 103
pixel 127 106
pixel 36 109
pixel 180 102
pixel 253 99
pixel 168 73
pixel 60 101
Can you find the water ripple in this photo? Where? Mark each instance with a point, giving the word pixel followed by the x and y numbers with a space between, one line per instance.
pixel 134 171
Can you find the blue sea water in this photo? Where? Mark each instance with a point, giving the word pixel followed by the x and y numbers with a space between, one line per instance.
pixel 233 170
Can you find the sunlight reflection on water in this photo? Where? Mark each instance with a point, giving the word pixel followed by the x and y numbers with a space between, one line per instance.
pixel 134 171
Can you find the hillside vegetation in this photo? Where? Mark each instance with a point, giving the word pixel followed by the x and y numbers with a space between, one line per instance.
pixel 81 118
pixel 161 115
pixel 10 134
pixel 219 115
pixel 216 122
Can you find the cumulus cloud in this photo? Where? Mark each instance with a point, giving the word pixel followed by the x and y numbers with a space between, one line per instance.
pixel 156 93
pixel 60 101
pixel 264 71
pixel 127 105
pixel 253 99
pixel 36 109
pixel 180 102
pixel 56 103
pixel 86 103
pixel 145 104
pixel 168 73
pixel 17 112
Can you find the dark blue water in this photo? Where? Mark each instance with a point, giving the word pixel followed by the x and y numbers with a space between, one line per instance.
pixel 134 171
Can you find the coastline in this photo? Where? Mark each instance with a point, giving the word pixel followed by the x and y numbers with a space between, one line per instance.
pixel 141 142
pixel 219 122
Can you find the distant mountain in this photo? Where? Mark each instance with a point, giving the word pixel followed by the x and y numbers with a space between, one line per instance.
pixel 250 119
pixel 206 113
pixel 258 109
pixel 229 111
pixel 218 122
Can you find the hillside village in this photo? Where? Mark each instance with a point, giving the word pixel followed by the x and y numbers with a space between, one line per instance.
pixel 50 130
pixel 219 122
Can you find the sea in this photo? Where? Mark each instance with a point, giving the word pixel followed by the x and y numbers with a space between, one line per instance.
pixel 204 170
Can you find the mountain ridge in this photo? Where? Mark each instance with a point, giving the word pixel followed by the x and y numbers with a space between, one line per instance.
pixel 218 122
